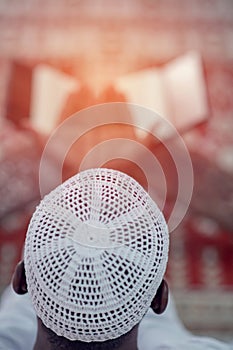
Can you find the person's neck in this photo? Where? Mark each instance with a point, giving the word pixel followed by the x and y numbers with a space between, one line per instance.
pixel 41 338
pixel 131 341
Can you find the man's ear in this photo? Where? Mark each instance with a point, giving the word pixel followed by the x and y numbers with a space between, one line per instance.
pixel 19 279
pixel 159 303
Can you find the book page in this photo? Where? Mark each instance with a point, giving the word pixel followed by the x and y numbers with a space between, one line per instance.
pixel 176 91
pixel 50 89
pixel 185 87
pixel 146 89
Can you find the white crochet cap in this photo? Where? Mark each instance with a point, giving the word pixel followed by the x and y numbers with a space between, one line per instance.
pixel 95 254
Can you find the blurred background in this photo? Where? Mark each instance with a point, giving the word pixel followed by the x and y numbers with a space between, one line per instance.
pixel 172 56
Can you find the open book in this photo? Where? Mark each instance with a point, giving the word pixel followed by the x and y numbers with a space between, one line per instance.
pixel 176 91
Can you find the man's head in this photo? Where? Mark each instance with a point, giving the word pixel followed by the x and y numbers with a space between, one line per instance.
pixel 95 255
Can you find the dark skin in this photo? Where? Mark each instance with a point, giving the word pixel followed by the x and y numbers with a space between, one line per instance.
pixel 158 305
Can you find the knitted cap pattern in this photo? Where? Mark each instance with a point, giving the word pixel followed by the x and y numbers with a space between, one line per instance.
pixel 95 254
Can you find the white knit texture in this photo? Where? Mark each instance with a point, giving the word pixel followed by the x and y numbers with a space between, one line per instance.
pixel 95 254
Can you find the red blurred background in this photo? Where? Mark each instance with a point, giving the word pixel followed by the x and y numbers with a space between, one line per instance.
pixel 174 56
